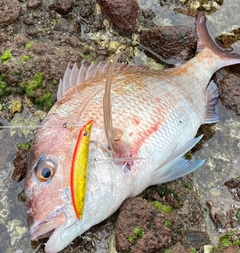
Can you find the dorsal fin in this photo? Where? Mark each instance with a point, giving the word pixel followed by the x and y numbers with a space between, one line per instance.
pixel 77 75
pixel 107 114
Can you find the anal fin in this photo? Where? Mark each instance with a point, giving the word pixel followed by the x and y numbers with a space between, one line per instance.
pixel 176 166
pixel 211 115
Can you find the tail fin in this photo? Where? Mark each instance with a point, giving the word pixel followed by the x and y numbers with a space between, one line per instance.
pixel 228 56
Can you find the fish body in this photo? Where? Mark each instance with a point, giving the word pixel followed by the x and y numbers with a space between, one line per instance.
pixel 155 116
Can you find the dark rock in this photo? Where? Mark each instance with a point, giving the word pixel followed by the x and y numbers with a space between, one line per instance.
pixel 233 186
pixel 67 26
pixel 9 12
pixel 20 165
pixel 137 212
pixel 175 43
pixel 195 239
pixel 87 8
pixel 98 23
pixel 123 14
pixel 34 4
pixel 28 21
pixel 32 31
pixel 63 6
pixel 229 88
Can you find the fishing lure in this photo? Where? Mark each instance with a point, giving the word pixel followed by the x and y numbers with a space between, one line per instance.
pixel 78 178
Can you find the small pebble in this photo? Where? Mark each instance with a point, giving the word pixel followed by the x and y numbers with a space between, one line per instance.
pixel 63 6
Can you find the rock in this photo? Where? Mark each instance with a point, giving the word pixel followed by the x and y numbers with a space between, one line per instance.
pixel 195 239
pixel 229 88
pixel 230 249
pixel 20 165
pixel 219 217
pixel 233 186
pixel 63 6
pixel 9 12
pixel 39 48
pixel 137 213
pixel 3 37
pixel 123 14
pixel 34 4
pixel 178 44
pixel 73 41
pixel 67 26
pixel 22 40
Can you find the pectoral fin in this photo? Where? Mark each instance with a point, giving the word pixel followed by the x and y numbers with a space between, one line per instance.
pixel 176 166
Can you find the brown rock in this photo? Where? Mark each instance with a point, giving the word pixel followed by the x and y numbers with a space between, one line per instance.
pixel 139 213
pixel 219 217
pixel 63 6
pixel 123 14
pixel 32 31
pixel 195 239
pixel 67 26
pixel 34 4
pixel 20 165
pixel 9 12
pixel 73 41
pixel 233 186
pixel 230 249
pixel 39 48
pixel 175 43
pixel 22 40
pixel 229 89
pixel 3 37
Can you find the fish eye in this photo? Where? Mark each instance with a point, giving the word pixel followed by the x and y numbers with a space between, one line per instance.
pixel 45 170
pixel 85 133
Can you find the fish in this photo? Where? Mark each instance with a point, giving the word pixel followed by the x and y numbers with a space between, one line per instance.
pixel 144 122
pixel 78 177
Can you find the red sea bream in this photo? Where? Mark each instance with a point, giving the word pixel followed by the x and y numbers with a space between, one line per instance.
pixel 144 121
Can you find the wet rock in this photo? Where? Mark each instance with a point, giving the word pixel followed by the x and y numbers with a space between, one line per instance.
pixel 63 6
pixel 20 165
pixel 233 186
pixel 177 43
pixel 138 215
pixel 195 239
pixel 229 88
pixel 9 12
pixel 34 4
pixel 123 14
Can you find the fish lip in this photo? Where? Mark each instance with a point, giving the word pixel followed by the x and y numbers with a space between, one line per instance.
pixel 45 228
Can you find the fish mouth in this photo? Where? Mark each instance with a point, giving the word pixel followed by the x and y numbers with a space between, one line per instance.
pixel 44 229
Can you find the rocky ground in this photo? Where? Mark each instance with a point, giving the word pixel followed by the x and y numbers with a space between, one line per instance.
pixel 39 38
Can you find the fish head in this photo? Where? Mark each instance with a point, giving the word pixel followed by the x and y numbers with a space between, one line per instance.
pixel 47 190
